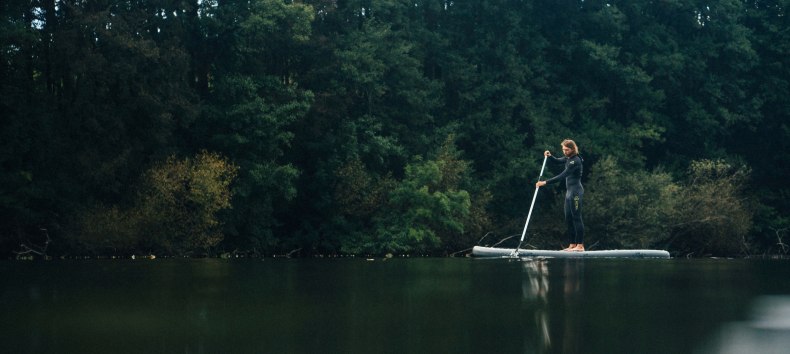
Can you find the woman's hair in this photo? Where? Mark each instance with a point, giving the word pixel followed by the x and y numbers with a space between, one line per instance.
pixel 570 144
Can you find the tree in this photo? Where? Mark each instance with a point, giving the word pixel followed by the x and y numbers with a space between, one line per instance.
pixel 175 212
pixel 420 213
pixel 253 99
pixel 712 216
pixel 625 209
pixel 313 97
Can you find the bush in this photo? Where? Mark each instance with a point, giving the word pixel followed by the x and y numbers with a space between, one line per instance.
pixel 108 229
pixel 628 209
pixel 711 216
pixel 175 211
pixel 420 213
pixel 636 209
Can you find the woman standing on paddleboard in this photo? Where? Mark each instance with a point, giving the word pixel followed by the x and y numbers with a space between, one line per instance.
pixel 573 196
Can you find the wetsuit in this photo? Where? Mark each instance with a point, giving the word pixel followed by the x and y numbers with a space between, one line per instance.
pixel 573 196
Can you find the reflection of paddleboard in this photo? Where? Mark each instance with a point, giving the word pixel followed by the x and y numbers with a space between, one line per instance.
pixel 479 251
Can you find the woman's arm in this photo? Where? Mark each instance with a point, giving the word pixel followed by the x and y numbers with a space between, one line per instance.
pixel 570 168
pixel 547 153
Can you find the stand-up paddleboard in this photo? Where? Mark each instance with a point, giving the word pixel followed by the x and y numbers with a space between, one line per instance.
pixel 479 251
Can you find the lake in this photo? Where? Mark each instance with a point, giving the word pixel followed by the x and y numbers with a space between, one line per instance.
pixel 399 305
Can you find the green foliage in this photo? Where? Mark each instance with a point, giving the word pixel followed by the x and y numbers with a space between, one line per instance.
pixel 707 214
pixel 358 194
pixel 415 214
pixel 251 101
pixel 335 113
pixel 712 216
pixel 175 212
pixel 624 209
pixel 180 201
pixel 111 229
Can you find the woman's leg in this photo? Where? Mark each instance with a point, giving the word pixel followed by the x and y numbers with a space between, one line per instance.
pixel 571 233
pixel 576 220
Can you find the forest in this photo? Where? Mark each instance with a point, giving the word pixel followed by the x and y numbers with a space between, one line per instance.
pixel 372 127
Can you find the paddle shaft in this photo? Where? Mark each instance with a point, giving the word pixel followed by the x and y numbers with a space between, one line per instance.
pixel 529 215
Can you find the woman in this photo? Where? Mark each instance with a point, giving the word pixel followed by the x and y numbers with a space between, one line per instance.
pixel 574 193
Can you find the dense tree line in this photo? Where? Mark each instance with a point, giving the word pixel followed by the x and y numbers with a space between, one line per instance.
pixel 378 126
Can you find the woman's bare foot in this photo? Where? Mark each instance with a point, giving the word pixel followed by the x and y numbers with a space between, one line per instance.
pixel 578 248
pixel 570 248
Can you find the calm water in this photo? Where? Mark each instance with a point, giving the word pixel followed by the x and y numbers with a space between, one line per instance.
pixel 398 305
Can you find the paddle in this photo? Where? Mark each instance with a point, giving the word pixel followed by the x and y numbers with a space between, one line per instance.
pixel 535 195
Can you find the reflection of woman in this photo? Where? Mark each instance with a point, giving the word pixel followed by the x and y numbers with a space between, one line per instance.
pixel 573 196
pixel 558 319
pixel 536 288
pixel 573 336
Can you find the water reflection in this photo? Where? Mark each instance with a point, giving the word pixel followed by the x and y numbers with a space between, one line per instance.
pixel 767 331
pixel 405 306
pixel 535 290
pixel 557 318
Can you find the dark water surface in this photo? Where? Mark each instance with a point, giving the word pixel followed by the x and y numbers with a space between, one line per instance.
pixel 399 305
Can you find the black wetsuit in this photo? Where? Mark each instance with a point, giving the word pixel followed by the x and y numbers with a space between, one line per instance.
pixel 573 195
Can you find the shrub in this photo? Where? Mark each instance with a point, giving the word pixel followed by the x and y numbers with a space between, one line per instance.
pixel 711 216
pixel 175 211
pixel 628 209
pixel 420 213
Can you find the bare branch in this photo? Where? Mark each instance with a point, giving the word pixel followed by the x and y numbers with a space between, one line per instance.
pixel 779 242
pixel 29 247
